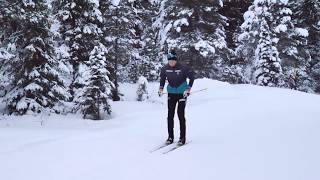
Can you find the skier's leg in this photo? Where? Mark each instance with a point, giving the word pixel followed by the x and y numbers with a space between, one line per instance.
pixel 171 111
pixel 182 119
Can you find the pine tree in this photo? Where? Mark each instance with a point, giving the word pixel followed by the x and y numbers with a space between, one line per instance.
pixel 7 46
pixel 288 39
pixel 307 15
pixel 81 28
pixel 233 10
pixel 150 49
pixel 94 96
pixel 268 69
pixel 145 61
pixel 5 78
pixel 119 33
pixel 292 48
pixel 36 86
pixel 195 29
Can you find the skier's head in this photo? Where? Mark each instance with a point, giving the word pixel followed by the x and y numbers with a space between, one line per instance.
pixel 172 58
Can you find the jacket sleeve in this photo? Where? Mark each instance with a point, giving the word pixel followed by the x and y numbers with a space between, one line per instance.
pixel 190 76
pixel 162 77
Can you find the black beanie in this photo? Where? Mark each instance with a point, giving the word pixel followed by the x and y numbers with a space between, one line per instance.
pixel 172 56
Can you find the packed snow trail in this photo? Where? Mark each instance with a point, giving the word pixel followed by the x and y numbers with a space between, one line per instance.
pixel 238 132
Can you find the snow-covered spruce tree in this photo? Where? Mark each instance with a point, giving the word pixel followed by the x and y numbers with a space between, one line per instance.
pixel 315 63
pixel 62 50
pixel 268 70
pixel 142 91
pixel 145 60
pixel 81 22
pixel 150 49
pixel 233 10
pixel 36 85
pixel 119 37
pixel 247 41
pixel 195 29
pixel 5 77
pixel 7 47
pixel 292 49
pixel 288 39
pixel 307 15
pixel 93 99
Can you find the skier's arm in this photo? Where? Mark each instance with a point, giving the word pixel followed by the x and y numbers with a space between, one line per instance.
pixel 162 78
pixel 190 75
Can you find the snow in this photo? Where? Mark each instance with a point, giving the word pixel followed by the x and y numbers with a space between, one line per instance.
pixel 73 4
pixel 54 28
pixel 34 73
pixel 97 13
pixel 238 132
pixel 163 34
pixel 49 3
pixel 208 9
pixel 27 3
pixel 248 16
pixel 33 87
pixel 65 15
pixel 115 2
pixel 96 2
pixel 60 90
pixel 31 48
pixel 4 55
pixel 243 36
pixel 188 12
pixel 181 22
pixel 284 1
pixel 142 80
pixel 286 11
pixel 281 28
pixel 302 32
pixel 221 3
pixel 22 104
pixel 142 91
pixel 204 47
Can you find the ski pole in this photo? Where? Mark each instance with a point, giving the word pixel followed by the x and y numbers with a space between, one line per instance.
pixel 196 91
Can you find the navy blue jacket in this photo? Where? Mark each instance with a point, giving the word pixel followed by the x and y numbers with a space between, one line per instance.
pixel 176 77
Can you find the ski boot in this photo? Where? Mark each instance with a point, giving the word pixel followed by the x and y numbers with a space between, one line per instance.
pixel 181 141
pixel 169 141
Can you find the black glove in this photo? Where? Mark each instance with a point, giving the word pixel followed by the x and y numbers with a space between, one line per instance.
pixel 186 94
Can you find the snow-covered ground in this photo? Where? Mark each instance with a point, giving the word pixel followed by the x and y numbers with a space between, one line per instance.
pixel 238 132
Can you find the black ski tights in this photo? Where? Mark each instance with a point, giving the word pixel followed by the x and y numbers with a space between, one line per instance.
pixel 173 99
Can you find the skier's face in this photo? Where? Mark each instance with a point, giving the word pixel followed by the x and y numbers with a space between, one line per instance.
pixel 172 63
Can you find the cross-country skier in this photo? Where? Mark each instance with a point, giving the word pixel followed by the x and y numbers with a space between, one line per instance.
pixel 178 91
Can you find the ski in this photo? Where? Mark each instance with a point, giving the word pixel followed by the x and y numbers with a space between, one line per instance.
pixel 176 147
pixel 160 147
